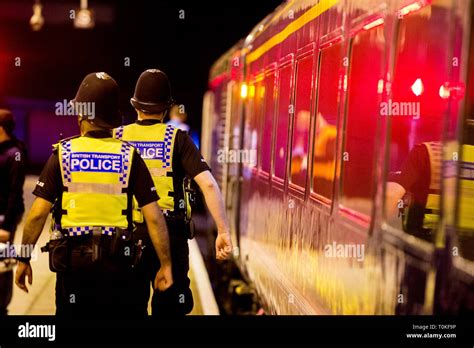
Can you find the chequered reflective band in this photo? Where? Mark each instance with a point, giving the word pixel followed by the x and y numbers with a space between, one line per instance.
pixel 125 152
pixel 168 140
pixel 119 133
pixel 66 152
pixel 85 230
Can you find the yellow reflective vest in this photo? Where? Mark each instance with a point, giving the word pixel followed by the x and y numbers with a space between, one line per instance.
pixel 466 191
pixel 95 174
pixel 155 143
pixel 432 210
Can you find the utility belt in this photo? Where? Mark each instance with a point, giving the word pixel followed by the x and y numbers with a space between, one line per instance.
pixel 76 252
pixel 178 229
pixel 179 220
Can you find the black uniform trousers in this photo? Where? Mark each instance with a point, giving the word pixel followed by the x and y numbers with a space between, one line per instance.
pixel 176 301
pixel 101 289
pixel 6 281
pixel 6 291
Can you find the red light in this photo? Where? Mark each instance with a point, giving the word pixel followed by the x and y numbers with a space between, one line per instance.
pixel 417 87
pixel 444 92
pixel 453 90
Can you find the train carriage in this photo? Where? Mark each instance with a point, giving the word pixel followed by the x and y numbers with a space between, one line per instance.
pixel 306 123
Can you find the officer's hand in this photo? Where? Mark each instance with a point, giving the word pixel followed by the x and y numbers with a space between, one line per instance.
pixel 223 246
pixel 164 278
pixel 23 270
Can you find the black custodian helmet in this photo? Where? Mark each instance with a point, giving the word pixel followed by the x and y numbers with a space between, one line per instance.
pixel 99 93
pixel 152 92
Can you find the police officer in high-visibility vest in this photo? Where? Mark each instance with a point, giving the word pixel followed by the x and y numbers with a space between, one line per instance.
pixel 465 223
pixel 171 156
pixel 90 181
pixel 415 191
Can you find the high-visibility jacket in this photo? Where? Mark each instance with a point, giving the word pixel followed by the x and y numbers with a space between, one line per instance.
pixel 324 160
pixel 466 191
pixel 155 143
pixel 95 174
pixel 431 214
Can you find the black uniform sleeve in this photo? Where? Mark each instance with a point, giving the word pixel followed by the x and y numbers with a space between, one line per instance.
pixel 49 184
pixel 189 155
pixel 16 179
pixel 141 184
pixel 415 168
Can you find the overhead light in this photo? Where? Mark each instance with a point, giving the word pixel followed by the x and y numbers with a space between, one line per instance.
pixel 380 86
pixel 243 91
pixel 37 20
pixel 417 87
pixel 410 8
pixel 444 91
pixel 84 17
pixel 374 24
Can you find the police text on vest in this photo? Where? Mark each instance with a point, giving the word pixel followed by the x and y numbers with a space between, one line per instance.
pixel 37 331
pixel 95 162
pixel 150 150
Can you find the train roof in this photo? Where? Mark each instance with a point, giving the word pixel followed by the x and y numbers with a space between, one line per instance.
pixel 279 15
pixel 221 65
pixel 285 19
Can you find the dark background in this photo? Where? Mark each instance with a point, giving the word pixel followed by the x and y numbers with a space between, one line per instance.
pixel 55 59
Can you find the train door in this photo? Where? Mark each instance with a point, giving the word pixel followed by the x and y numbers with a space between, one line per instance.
pixel 356 176
pixel 455 281
pixel 234 144
pixel 419 112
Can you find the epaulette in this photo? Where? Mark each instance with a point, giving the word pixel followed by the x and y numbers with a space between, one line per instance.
pixel 55 146
pixel 129 144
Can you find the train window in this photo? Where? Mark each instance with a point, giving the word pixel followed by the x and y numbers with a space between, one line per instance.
pixel 302 112
pixel 418 110
pixel 362 111
pixel 268 120
pixel 281 133
pixel 251 127
pixel 257 96
pixel 326 118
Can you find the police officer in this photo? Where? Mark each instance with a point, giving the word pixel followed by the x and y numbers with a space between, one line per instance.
pixel 416 187
pixel 178 117
pixel 171 157
pixel 12 177
pixel 91 179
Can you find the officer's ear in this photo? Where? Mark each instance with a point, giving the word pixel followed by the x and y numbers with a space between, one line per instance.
pixel 81 119
pixel 139 113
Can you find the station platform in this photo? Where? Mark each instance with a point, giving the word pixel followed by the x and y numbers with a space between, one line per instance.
pixel 41 296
